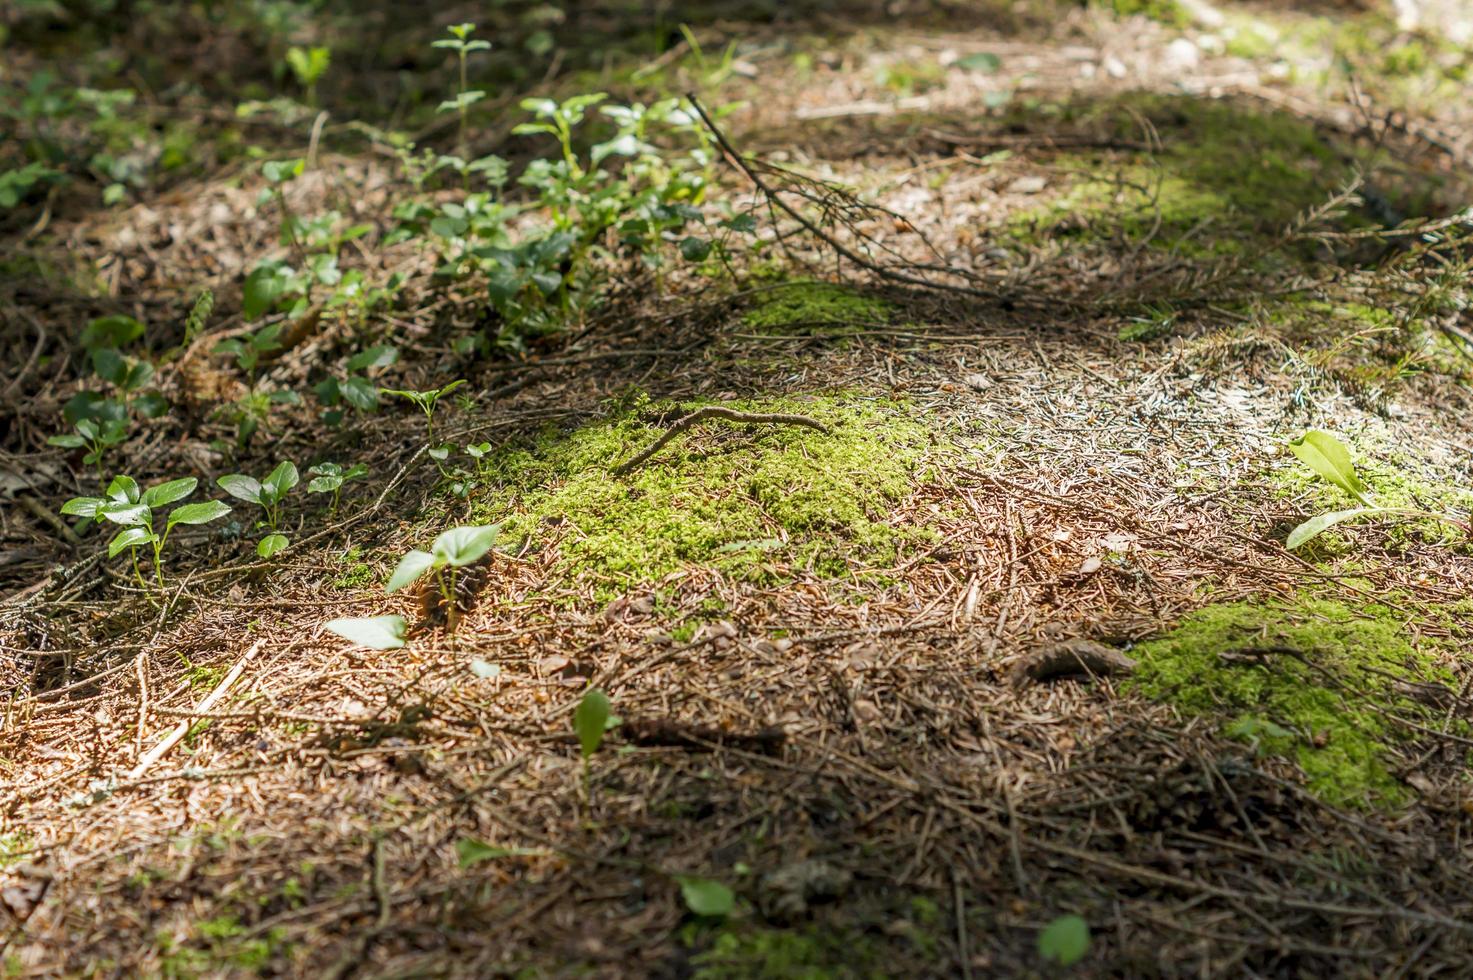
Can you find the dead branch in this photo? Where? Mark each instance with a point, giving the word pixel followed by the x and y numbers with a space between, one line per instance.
pixel 717 412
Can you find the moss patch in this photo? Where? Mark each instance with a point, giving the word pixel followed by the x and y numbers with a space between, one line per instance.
pixel 1318 704
pixel 757 502
pixel 814 305
pixel 784 954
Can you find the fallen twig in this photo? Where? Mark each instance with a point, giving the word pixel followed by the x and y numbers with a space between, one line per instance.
pixel 716 412
pixel 182 729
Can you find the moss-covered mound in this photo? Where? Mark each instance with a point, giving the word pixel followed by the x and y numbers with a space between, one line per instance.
pixel 1313 681
pixel 758 502
pixel 811 305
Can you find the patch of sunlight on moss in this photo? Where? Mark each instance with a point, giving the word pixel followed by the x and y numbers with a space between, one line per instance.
pixel 1321 710
pixel 812 304
pixel 1227 176
pixel 756 502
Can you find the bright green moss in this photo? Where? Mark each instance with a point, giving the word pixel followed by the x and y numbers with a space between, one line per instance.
pixel 810 304
pixel 1319 704
pixel 787 954
pixel 1166 12
pixel 757 502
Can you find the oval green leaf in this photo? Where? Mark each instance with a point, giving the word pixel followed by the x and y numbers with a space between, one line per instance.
pixel 201 513
pixel 410 568
pixel 83 506
pixel 130 537
pixel 241 487
pixel 282 479
pixel 126 514
pixel 590 719
pixel 1065 940
pixel 1329 457
pixel 706 897
pixel 1317 524
pixel 271 544
pixel 166 493
pixel 460 546
pixel 378 632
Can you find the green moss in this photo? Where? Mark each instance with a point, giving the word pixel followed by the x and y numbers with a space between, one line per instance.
pixel 1318 704
pixel 782 954
pixel 356 573
pixel 1166 12
pixel 811 304
pixel 757 502
pixel 1226 179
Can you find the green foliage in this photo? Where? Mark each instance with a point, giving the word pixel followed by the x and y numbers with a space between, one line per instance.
pixel 308 65
pixel 268 493
pixel 426 401
pixel 133 509
pixel 330 477
pixel 1064 941
pixel 1316 693
pixel 377 632
pixel 590 720
pixel 706 898
pixel 451 550
pixel 760 503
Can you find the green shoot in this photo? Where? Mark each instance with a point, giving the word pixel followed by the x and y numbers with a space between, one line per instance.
pixel 268 493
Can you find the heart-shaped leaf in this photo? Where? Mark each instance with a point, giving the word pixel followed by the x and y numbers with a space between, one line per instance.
pixel 461 546
pixel 410 568
pixel 166 493
pixel 1328 456
pixel 201 513
pixel 378 632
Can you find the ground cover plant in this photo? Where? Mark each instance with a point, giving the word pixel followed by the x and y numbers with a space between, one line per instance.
pixel 875 489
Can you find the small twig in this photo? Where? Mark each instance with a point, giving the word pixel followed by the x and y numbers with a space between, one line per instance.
pixel 182 729
pixel 716 412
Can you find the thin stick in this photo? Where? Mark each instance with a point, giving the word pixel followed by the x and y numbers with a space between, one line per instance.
pixel 182 729
pixel 716 412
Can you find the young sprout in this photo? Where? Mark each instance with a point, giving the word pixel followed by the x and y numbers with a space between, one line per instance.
pixel 461 44
pixel 134 510
pixel 451 551
pixel 426 401
pixel 330 477
pixel 268 494
pixel 94 435
pixel 309 65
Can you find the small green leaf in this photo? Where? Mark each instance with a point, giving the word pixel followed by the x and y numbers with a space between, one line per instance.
pixel 166 493
pixel 123 489
pixel 1317 524
pixel 590 719
pixel 460 546
pixel 981 61
pixel 271 544
pixel 67 440
pixel 410 568
pixel 694 249
pixel 130 537
pixel 83 506
pixel 241 487
pixel 1065 940
pixel 201 513
pixel 378 632
pixel 324 484
pixel 470 852
pixel 1328 456
pixel 126 514
pixel 373 357
pixel 707 898
pixel 281 479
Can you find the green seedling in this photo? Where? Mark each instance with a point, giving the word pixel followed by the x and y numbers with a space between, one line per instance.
pixel 451 551
pixel 355 388
pixel 268 493
pixel 426 400
pixel 590 720
pixel 1064 941
pixel 462 45
pixel 94 435
pixel 134 510
pixel 330 477
pixel 309 65
pixel 1331 461
pixel 706 898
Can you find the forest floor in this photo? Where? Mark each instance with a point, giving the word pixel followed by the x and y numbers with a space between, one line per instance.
pixel 846 664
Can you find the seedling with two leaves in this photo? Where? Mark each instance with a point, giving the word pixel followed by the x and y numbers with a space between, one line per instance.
pixel 1331 460
pixel 133 509
pixel 330 477
pixel 268 493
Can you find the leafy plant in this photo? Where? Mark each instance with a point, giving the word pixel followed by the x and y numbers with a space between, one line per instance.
pixel 377 632
pixel 330 477
pixel 426 400
pixel 451 551
pixel 355 388
pixel 460 42
pixel 134 510
pixel 590 720
pixel 268 493
pixel 706 898
pixel 1065 940
pixel 309 65
pixel 1331 461
pixel 94 435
